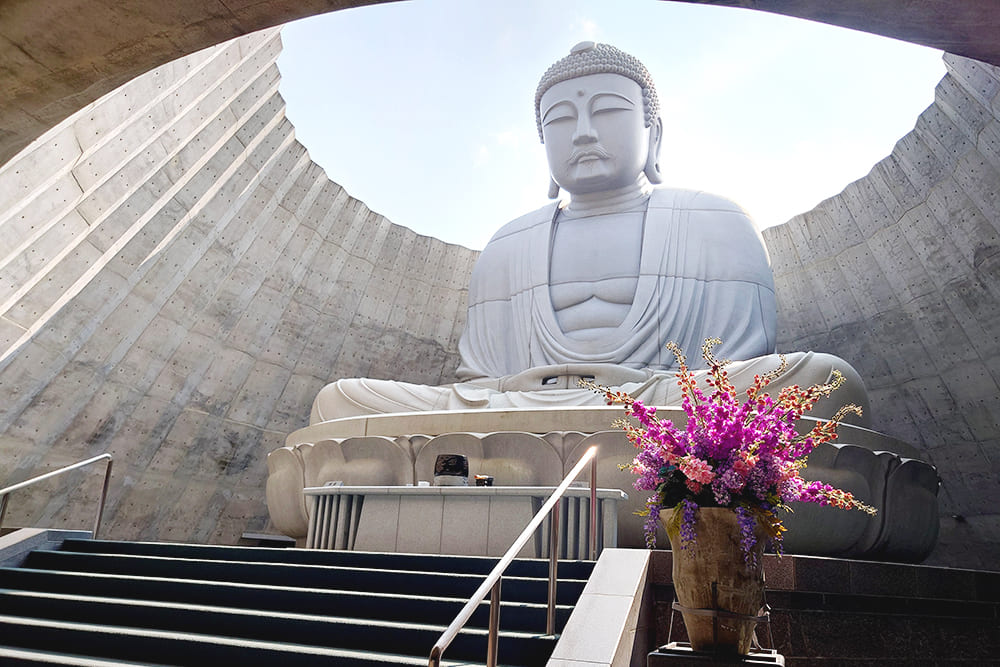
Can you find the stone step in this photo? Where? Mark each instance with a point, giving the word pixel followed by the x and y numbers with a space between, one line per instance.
pixel 522 567
pixel 361 604
pixel 17 657
pixel 173 648
pixel 406 582
pixel 321 631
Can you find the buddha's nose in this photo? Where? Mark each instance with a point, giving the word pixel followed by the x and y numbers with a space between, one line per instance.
pixel 585 133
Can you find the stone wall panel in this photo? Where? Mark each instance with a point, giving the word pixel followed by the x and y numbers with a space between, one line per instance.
pixel 10 333
pixel 867 281
pixel 299 391
pixel 917 161
pixel 894 415
pixel 96 425
pixel 808 247
pixel 961 107
pixel 34 234
pixel 881 371
pixel 832 287
pixel 883 197
pixel 978 80
pixel 974 175
pixel 976 310
pixel 935 249
pixel 961 219
pixel 850 216
pixel 937 328
pixel 322 341
pixel 940 134
pixel 988 144
pixel 900 266
pixel 260 393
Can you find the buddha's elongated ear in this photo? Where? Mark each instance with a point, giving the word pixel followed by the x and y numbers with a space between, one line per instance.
pixel 553 188
pixel 652 168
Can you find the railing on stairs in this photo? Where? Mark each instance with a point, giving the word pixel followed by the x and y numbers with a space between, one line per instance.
pixel 5 493
pixel 491 585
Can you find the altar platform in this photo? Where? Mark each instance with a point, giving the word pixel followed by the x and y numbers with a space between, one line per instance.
pixel 461 520
pixel 536 447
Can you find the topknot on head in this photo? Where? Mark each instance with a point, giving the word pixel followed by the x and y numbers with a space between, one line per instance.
pixel 590 58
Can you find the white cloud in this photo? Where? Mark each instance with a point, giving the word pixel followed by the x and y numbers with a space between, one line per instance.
pixel 511 138
pixel 482 157
pixel 585 28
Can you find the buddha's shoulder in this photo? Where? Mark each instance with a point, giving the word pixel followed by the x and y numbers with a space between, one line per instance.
pixel 526 222
pixel 495 270
pixel 695 200
pixel 707 218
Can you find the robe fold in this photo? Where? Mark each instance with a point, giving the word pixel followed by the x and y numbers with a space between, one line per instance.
pixel 704 273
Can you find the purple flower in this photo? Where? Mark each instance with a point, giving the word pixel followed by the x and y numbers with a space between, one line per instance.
pixel 688 534
pixel 748 539
pixel 652 521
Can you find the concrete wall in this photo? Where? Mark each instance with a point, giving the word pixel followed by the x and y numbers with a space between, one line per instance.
pixel 177 281
pixel 900 275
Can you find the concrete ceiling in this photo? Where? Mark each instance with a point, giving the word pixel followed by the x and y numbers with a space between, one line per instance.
pixel 968 28
pixel 56 56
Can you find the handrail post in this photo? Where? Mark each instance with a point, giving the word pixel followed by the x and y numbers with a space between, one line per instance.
pixel 3 507
pixel 494 636
pixel 104 497
pixel 550 614
pixel 593 508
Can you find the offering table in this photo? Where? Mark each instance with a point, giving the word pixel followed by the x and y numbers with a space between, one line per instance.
pixel 463 520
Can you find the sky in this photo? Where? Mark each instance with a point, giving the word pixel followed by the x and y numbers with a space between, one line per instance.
pixel 423 109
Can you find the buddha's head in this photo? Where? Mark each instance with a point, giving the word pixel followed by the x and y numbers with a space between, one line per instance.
pixel 598 116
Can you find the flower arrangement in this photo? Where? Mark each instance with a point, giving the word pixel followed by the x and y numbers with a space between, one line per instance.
pixel 746 456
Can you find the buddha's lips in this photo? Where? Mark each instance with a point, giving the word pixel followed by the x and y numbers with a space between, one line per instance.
pixel 588 153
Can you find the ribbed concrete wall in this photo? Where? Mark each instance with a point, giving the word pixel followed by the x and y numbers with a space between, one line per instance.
pixel 900 274
pixel 177 281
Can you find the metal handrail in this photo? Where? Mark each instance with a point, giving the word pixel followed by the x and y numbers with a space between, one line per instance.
pixel 491 584
pixel 5 493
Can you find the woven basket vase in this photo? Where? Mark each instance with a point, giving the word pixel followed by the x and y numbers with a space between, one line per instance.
pixel 712 575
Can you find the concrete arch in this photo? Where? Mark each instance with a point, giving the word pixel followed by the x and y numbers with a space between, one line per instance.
pixel 57 56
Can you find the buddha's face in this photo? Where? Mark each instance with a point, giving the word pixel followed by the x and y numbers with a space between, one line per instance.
pixel 594 131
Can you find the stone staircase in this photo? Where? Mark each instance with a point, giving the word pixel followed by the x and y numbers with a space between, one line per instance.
pixel 94 602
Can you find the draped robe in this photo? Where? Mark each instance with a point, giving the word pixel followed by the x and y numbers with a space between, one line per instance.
pixel 703 273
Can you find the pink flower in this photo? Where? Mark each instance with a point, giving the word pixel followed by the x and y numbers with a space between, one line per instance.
pixel 695 469
pixel 744 463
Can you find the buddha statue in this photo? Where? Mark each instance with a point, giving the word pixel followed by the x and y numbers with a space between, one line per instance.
pixel 595 288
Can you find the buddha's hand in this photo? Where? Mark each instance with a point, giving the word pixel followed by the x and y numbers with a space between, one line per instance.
pixel 566 376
